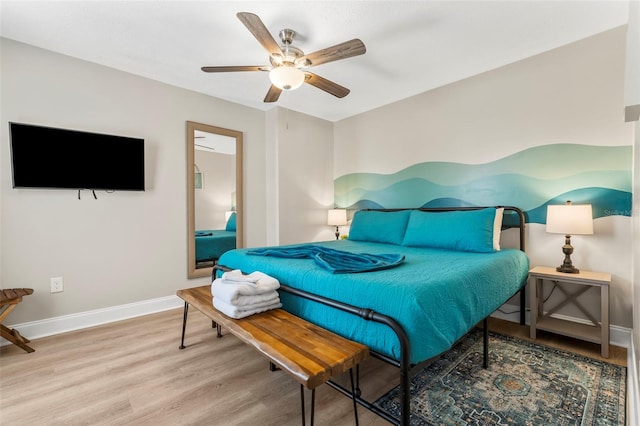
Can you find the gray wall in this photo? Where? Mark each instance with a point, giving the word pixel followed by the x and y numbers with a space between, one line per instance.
pixel 126 246
pixel 305 177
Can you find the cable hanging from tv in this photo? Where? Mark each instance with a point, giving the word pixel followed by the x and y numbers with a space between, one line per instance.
pixel 92 191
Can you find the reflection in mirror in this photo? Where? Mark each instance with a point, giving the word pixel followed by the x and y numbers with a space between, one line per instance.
pixel 214 192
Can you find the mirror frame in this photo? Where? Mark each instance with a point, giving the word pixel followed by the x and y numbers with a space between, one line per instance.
pixel 191 218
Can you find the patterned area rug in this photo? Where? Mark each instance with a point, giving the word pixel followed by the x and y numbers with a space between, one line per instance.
pixel 525 384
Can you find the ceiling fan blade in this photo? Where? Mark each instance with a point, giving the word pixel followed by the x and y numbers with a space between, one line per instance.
pixel 255 25
pixel 344 50
pixel 235 68
pixel 327 85
pixel 273 94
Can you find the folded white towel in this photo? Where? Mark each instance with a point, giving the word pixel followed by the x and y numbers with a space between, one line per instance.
pixel 236 275
pixel 229 290
pixel 256 278
pixel 243 311
pixel 227 294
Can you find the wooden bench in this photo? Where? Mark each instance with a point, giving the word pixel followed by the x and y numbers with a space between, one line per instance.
pixel 310 354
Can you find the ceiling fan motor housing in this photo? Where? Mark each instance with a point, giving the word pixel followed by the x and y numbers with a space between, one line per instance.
pixel 287 35
pixel 290 54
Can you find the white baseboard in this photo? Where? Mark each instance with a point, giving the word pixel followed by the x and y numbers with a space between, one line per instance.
pixel 66 323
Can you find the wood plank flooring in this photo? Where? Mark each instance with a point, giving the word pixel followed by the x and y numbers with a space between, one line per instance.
pixel 132 373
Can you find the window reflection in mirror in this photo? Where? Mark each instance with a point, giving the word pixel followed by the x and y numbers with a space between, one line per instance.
pixel 214 187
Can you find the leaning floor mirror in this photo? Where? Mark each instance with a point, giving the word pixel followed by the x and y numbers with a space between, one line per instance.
pixel 214 195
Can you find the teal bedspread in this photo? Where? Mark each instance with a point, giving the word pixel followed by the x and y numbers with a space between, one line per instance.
pixel 211 243
pixel 436 295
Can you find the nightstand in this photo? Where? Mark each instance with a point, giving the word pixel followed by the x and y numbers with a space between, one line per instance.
pixel 542 320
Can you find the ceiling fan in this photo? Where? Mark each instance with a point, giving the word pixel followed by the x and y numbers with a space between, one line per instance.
pixel 287 61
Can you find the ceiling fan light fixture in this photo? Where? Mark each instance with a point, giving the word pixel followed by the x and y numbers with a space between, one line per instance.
pixel 286 77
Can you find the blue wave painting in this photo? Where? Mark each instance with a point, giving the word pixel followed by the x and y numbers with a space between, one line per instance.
pixel 529 179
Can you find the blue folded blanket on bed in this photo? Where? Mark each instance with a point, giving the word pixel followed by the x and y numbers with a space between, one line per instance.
pixel 336 261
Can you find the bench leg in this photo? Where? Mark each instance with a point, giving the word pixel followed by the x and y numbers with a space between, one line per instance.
pixel 304 417
pixel 15 337
pixel 184 323
pixel 353 395
pixel 185 315
pixel 313 404
pixel 7 309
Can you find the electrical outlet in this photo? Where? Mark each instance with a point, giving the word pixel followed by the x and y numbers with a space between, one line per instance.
pixel 56 285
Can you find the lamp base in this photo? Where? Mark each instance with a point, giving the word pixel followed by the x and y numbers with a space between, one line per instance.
pixel 337 233
pixel 567 266
pixel 568 269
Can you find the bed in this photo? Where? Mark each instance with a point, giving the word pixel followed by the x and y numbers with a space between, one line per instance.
pixel 453 275
pixel 212 243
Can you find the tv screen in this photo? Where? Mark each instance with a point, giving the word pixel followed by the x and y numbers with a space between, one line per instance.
pixel 46 157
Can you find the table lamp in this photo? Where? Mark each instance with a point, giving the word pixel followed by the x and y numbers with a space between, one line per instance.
pixel 569 219
pixel 337 217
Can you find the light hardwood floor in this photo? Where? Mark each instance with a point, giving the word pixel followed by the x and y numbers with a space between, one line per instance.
pixel 132 373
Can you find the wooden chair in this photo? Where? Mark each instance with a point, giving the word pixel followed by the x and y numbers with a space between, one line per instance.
pixel 9 299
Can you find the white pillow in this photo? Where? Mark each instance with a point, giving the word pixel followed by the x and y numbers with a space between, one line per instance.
pixel 497 228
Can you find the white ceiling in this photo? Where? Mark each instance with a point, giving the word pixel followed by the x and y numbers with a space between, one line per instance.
pixel 412 46
pixel 213 142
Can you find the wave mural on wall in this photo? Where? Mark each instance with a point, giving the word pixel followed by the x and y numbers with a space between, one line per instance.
pixel 530 179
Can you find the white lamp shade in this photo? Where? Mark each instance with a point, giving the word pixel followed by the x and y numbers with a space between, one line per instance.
pixel 337 217
pixel 286 77
pixel 570 219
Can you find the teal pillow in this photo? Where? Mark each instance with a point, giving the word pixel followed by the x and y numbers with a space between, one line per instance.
pixel 231 222
pixel 378 226
pixel 462 230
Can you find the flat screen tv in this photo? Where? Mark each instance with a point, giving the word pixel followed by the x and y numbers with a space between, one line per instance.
pixel 47 157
